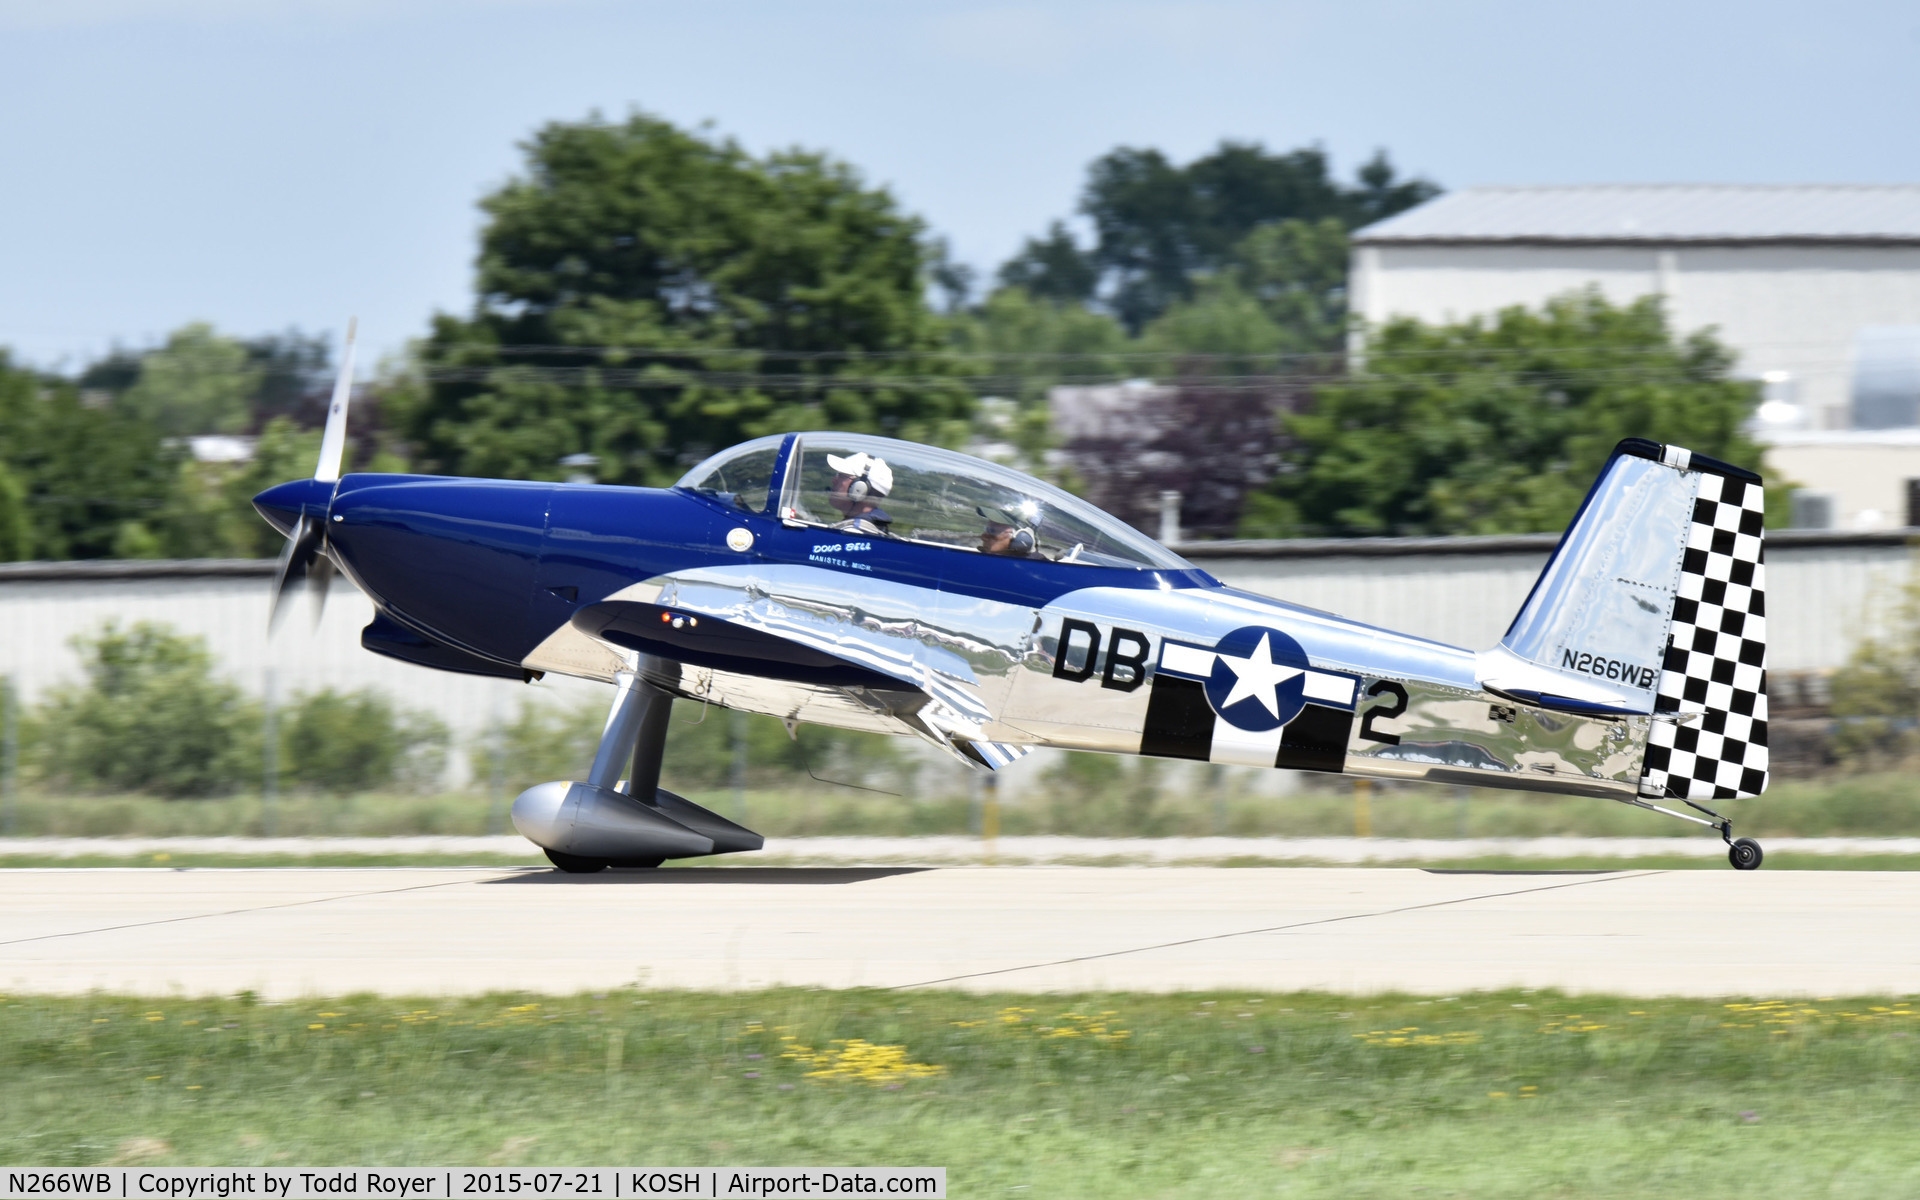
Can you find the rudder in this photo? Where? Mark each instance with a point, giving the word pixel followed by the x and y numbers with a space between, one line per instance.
pixel 1709 735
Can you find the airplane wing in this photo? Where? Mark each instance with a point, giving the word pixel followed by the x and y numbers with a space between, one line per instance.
pixel 716 623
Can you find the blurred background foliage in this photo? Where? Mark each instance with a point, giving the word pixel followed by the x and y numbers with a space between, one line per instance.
pixel 1876 696
pixel 646 294
pixel 152 715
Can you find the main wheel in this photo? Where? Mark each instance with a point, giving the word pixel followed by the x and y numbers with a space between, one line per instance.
pixel 573 864
pixel 1745 854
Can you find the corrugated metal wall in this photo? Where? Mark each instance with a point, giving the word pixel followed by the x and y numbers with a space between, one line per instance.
pixel 1824 590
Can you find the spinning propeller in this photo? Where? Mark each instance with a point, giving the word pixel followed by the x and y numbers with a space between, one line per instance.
pixel 305 554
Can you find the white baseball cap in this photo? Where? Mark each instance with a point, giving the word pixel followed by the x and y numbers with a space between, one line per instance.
pixel 870 467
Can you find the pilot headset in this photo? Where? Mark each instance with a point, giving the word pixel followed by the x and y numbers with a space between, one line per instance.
pixel 871 476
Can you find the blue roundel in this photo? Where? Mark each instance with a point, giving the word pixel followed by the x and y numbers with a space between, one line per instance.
pixel 1258 681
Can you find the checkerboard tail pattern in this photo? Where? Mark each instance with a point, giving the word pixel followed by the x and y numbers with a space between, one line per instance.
pixel 1709 735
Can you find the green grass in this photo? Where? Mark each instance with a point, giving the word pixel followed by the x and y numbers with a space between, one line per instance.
pixel 1485 1095
pixel 1146 799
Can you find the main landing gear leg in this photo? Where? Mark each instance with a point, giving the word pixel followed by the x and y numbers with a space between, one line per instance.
pixel 1743 853
pixel 636 734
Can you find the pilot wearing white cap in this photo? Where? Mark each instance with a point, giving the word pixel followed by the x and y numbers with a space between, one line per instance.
pixel 859 481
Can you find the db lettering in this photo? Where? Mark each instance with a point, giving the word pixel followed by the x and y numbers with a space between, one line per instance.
pixel 1077 656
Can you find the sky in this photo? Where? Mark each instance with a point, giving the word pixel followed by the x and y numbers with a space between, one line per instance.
pixel 266 164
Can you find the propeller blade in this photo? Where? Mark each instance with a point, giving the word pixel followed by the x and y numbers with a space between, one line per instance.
pixel 333 443
pixel 319 579
pixel 295 559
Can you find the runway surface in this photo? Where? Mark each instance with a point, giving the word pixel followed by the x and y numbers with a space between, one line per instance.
pixel 1008 851
pixel 291 932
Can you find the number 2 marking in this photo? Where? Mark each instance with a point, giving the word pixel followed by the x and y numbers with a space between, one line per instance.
pixel 1389 710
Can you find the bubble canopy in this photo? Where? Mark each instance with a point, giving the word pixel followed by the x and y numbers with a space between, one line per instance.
pixel 937 497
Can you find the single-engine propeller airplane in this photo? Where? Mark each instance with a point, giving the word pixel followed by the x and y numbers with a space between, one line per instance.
pixel 873 584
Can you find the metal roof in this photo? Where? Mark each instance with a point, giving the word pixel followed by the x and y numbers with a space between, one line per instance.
pixel 1882 213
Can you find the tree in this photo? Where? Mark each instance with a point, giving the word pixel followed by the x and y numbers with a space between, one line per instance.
pixel 199 382
pixel 1498 425
pixel 1018 343
pixel 648 294
pixel 1159 228
pixel 1380 194
pixel 93 476
pixel 1052 268
pixel 1297 271
pixel 295 379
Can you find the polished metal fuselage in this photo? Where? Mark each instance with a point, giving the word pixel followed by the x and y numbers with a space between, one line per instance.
pixel 984 670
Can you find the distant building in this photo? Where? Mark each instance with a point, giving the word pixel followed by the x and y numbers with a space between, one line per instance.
pixel 221 448
pixel 1816 288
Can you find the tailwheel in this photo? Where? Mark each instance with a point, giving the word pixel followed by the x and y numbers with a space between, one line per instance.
pixel 1744 854
pixel 573 864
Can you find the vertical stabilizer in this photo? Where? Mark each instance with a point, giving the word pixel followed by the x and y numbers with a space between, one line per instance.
pixel 1654 603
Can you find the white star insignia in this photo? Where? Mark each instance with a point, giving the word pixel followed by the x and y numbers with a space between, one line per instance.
pixel 1257 676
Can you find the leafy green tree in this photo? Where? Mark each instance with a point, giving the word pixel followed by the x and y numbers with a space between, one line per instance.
pixel 1018 344
pixel 1381 193
pixel 1297 270
pixel 1052 268
pixel 358 741
pixel 199 382
pixel 1498 425
pixel 295 378
pixel 95 477
pixel 150 717
pixel 1280 295
pixel 1159 229
pixel 198 372
pixel 1223 331
pixel 648 294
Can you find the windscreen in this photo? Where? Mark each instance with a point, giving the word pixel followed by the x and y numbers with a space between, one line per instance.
pixel 740 476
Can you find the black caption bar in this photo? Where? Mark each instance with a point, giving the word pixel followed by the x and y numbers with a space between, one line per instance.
pixel 459 1183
